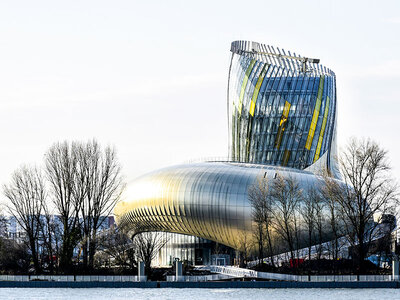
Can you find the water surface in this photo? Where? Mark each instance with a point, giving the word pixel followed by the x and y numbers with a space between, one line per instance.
pixel 197 294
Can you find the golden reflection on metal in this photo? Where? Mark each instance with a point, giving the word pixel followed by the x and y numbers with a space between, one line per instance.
pixel 315 116
pixel 244 84
pixel 322 132
pixel 213 198
pixel 257 90
pixel 281 129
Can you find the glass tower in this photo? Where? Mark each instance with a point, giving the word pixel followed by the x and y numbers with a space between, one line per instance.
pixel 281 108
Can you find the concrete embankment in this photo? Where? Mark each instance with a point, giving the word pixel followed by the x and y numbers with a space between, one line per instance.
pixel 224 284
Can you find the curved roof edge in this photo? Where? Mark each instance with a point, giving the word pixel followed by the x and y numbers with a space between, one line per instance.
pixel 279 57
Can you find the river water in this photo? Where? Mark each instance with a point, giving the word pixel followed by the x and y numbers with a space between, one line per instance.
pixel 203 294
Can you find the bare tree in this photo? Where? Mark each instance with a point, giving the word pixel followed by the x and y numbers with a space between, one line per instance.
pixel 287 195
pixel 49 237
pixel 244 245
pixel 61 167
pixel 86 183
pixel 116 244
pixel 26 193
pixel 256 200
pixel 147 245
pixel 369 190
pixel 261 201
pixel 308 213
pixel 330 191
pixel 99 185
pixel 319 221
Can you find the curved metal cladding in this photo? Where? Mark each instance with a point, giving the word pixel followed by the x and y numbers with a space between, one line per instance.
pixel 281 109
pixel 282 119
pixel 208 200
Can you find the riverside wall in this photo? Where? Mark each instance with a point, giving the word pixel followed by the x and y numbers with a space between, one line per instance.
pixel 221 284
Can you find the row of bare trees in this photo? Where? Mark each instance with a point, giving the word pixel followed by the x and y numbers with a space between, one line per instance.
pixel 62 206
pixel 283 218
pixel 288 216
pixel 118 250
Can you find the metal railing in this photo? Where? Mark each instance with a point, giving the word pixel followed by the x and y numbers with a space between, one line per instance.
pixel 346 278
pixel 199 278
pixel 70 278
pixel 243 273
pixel 233 271
pixel 224 273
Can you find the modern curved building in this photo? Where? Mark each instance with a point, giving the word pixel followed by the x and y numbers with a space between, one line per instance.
pixel 281 109
pixel 208 200
pixel 282 120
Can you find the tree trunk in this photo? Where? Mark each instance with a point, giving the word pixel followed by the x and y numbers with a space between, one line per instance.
pixel 85 255
pixel 32 242
pixel 260 245
pixel 309 244
pixel 271 253
pixel 92 250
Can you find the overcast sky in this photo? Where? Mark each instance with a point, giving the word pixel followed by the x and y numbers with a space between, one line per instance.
pixel 150 77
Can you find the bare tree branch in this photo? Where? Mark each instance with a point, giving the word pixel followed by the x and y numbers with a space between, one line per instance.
pixel 26 193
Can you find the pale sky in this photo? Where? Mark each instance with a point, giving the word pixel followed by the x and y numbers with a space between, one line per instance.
pixel 150 77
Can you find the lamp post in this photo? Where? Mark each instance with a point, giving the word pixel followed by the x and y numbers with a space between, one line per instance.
pixel 178 268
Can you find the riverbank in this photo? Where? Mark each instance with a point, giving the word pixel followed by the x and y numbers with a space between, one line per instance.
pixel 221 284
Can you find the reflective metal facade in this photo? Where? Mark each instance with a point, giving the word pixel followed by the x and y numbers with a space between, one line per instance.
pixel 208 200
pixel 282 116
pixel 281 108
